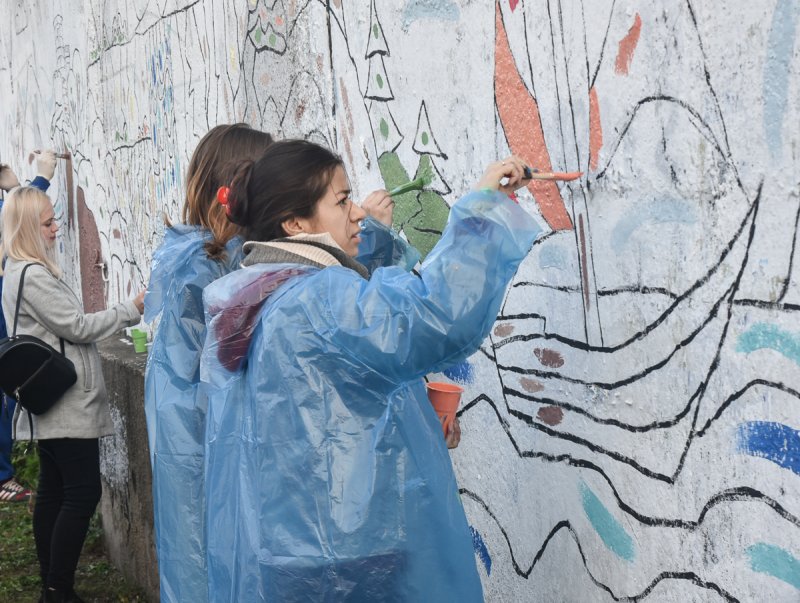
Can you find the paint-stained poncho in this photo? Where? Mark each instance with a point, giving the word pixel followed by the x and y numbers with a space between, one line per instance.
pixel 176 407
pixel 327 475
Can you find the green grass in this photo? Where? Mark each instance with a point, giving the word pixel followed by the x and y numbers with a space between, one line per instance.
pixel 96 580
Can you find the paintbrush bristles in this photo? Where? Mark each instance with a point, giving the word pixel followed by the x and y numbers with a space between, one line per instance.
pixel 423 179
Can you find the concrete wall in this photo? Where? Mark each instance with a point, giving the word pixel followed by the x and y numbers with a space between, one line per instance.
pixel 630 426
pixel 127 504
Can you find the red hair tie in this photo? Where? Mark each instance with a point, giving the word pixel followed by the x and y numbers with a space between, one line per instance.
pixel 222 197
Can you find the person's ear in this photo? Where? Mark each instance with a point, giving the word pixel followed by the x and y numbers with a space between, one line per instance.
pixel 293 226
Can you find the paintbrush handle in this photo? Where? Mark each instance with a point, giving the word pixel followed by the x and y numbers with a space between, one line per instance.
pixel 414 185
pixel 531 175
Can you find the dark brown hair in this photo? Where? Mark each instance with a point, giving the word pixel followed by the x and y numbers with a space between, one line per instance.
pixel 287 181
pixel 221 145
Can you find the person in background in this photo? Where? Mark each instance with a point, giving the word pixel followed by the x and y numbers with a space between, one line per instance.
pixel 10 489
pixel 67 435
pixel 194 253
pixel 327 476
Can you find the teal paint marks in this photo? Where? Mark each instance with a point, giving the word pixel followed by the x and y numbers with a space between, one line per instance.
pixel 764 335
pixel 552 256
pixel 775 561
pixel 442 10
pixel 776 71
pixel 614 536
pixel 659 211
pixel 480 550
pixel 775 442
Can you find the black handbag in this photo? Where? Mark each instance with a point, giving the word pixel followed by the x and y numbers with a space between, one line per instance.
pixel 31 371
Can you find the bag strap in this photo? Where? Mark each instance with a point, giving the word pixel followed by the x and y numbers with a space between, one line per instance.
pixel 19 297
pixel 19 300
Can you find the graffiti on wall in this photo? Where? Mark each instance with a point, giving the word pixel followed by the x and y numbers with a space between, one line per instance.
pixel 629 425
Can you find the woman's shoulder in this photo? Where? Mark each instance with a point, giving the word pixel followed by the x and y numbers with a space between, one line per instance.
pixel 37 270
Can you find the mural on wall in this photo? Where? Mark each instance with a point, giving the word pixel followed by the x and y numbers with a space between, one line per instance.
pixel 630 425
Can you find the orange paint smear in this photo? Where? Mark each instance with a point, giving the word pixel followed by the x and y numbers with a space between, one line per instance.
pixel 519 116
pixel 627 46
pixel 595 129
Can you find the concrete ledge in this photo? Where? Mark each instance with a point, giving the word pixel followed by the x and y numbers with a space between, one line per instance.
pixel 127 503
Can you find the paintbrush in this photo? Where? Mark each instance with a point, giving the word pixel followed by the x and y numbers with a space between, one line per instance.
pixel 537 175
pixel 424 178
pixel 32 156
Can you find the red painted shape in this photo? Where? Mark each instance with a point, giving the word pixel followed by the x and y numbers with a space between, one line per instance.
pixel 627 45
pixel 91 258
pixel 595 129
pixel 519 116
pixel 513 4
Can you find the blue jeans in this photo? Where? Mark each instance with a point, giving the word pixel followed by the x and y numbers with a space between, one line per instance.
pixel 6 416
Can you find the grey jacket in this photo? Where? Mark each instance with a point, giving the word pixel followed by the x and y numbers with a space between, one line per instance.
pixel 50 310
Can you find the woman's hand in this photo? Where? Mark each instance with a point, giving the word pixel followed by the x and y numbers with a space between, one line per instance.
pixel 453 434
pixel 139 301
pixel 45 164
pixel 8 179
pixel 511 169
pixel 380 206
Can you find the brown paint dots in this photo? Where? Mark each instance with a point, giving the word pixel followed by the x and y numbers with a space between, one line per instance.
pixel 552 415
pixel 531 385
pixel 117 233
pixel 549 358
pixel 298 113
pixel 503 330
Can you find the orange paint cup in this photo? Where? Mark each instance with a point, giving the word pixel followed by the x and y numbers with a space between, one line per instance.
pixel 445 398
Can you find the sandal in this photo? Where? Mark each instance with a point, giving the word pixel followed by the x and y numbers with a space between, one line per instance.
pixel 12 491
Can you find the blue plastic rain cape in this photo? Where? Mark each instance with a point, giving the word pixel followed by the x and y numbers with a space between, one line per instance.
pixel 327 475
pixel 176 407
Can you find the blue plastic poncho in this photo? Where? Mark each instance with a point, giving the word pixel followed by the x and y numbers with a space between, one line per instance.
pixel 174 405
pixel 327 475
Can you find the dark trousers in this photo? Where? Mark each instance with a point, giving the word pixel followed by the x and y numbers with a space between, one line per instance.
pixel 68 493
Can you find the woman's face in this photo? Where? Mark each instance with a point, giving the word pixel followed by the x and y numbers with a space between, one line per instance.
pixel 337 215
pixel 48 226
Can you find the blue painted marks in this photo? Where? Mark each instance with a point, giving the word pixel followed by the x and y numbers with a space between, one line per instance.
pixel 765 335
pixel 659 211
pixel 776 71
pixel 553 256
pixel 444 10
pixel 608 528
pixel 461 372
pixel 480 550
pixel 775 561
pixel 775 442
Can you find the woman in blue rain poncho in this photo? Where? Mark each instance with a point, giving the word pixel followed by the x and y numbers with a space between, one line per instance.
pixel 327 477
pixel 204 248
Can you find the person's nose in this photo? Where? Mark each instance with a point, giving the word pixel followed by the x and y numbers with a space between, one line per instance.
pixel 357 213
pixel 54 227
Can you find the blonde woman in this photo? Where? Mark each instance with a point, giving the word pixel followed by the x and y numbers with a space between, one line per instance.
pixel 67 435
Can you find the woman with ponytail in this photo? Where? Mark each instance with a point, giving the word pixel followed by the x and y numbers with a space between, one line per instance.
pixel 327 476
pixel 205 247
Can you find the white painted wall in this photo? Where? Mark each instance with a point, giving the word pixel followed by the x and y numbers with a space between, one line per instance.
pixel 631 426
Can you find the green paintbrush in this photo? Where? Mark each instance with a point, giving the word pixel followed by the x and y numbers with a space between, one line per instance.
pixel 424 179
